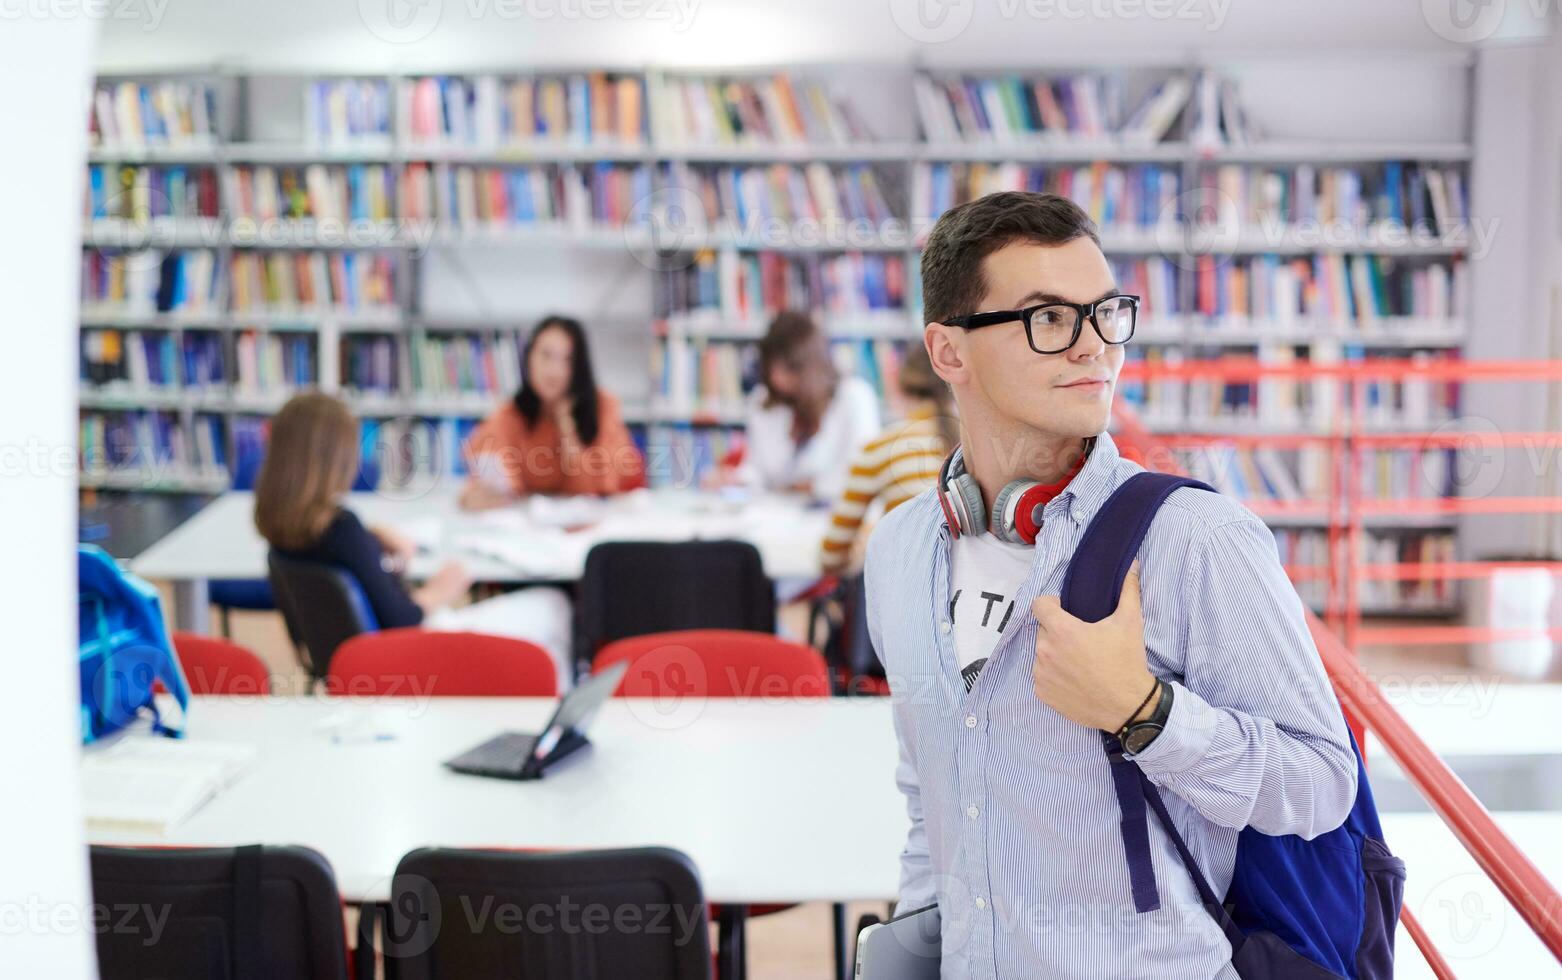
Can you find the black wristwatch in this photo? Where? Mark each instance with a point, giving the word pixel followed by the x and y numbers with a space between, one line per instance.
pixel 1136 737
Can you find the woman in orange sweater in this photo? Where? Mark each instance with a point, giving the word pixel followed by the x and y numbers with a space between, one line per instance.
pixel 559 434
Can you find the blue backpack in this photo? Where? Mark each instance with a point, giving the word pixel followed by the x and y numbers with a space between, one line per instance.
pixel 124 648
pixel 1297 909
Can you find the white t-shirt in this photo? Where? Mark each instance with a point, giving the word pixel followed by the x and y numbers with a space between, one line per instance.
pixel 988 574
pixel 773 460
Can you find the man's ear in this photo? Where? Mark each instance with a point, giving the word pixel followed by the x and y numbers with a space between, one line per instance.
pixel 945 348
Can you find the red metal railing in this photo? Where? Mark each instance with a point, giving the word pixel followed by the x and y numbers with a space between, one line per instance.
pixel 1532 896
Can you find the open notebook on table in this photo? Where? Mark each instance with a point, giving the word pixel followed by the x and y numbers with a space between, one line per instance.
pixel 143 783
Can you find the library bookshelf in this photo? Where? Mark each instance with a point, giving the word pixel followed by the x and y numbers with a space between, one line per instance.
pixel 249 234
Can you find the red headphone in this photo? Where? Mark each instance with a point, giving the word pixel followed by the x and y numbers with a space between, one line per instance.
pixel 1016 511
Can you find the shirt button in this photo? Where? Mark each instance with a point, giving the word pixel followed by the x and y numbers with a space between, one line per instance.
pixel 981 902
pixel 944 627
pixel 970 721
pixel 972 811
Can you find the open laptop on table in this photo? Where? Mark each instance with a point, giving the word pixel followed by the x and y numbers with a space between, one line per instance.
pixel 520 755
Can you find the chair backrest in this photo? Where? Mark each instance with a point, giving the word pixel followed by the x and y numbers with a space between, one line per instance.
pixel 597 915
pixel 213 666
pixel 414 662
pixel 323 605
pixel 716 664
pixel 220 913
pixel 630 588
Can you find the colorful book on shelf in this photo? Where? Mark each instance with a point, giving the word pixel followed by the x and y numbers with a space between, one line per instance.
pixel 322 192
pixel 370 364
pixel 173 113
pixel 489 111
pixel 1010 108
pixel 290 281
pixel 753 198
pixel 756 111
pixel 343 111
pixel 148 193
pixel 1133 196
pixel 150 281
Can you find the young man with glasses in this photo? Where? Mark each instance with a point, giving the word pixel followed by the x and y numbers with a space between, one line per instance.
pixel 1206 671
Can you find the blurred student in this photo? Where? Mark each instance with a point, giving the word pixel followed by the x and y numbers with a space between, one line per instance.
pixel 560 434
pixel 804 421
pixel 901 463
pixel 311 459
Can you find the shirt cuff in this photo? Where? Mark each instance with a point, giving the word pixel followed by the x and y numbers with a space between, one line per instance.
pixel 1186 738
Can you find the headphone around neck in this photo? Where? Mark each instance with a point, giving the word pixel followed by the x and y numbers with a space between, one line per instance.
pixel 1015 515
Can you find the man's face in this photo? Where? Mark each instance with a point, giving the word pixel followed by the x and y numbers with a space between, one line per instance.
pixel 1067 394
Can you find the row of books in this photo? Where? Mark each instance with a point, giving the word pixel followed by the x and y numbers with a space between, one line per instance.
pixel 1114 195
pixel 144 193
pixel 288 281
pixel 1083 106
pixel 467 196
pixel 1399 193
pixel 174 113
pixel 699 375
pixel 680 455
pixel 1284 402
pixel 151 281
pixel 371 363
pixel 359 192
pixel 1359 288
pixel 457 364
pixel 408 452
pixel 342 111
pixel 152 445
pixel 1309 549
pixel 136 359
pixel 744 287
pixel 748 198
pixel 1262 474
pixel 489 111
pixel 265 363
pixel 754 111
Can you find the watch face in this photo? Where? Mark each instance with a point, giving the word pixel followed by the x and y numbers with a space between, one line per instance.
pixel 1140 736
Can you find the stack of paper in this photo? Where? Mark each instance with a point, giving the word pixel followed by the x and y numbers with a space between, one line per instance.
pixel 150 784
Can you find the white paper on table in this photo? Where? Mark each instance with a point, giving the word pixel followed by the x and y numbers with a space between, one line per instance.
pixel 150 784
pixel 562 512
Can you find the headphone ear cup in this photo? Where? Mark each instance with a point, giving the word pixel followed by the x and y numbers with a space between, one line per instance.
pixel 969 493
pixel 1013 514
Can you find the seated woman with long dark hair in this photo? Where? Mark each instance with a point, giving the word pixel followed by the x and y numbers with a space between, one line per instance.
pixel 560 434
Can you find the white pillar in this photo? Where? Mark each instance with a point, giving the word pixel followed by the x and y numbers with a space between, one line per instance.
pixel 45 73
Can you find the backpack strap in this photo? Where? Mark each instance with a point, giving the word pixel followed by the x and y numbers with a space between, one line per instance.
pixel 1091 587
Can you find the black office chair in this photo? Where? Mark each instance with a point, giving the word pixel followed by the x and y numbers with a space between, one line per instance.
pixel 232 913
pixel 323 606
pixel 631 588
pixel 838 628
pixel 595 915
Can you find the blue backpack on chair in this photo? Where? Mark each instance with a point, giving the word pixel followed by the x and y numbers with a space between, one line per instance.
pixel 1320 909
pixel 123 647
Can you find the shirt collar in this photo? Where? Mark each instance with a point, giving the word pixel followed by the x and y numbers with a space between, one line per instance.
pixel 1091 485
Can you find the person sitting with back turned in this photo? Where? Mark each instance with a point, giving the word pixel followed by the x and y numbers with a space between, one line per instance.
pixel 901 463
pixel 560 434
pixel 1206 673
pixel 311 459
pixel 804 421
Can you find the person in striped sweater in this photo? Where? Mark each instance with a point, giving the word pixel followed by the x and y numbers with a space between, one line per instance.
pixel 901 462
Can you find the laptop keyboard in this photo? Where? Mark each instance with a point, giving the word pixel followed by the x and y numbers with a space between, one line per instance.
pixel 502 753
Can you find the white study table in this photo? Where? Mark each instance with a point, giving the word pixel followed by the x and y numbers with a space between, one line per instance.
pixel 773 801
pixel 509 545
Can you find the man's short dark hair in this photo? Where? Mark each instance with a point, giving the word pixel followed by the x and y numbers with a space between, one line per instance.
pixel 953 281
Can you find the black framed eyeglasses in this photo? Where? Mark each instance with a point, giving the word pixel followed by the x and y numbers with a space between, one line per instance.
pixel 1052 328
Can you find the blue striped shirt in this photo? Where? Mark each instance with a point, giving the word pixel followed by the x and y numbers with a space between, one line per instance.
pixel 1014 824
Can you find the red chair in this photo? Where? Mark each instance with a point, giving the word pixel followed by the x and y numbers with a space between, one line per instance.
pixel 414 662
pixel 716 664
pixel 213 666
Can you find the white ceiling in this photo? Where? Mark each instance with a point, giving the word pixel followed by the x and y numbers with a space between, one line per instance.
pixel 361 35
